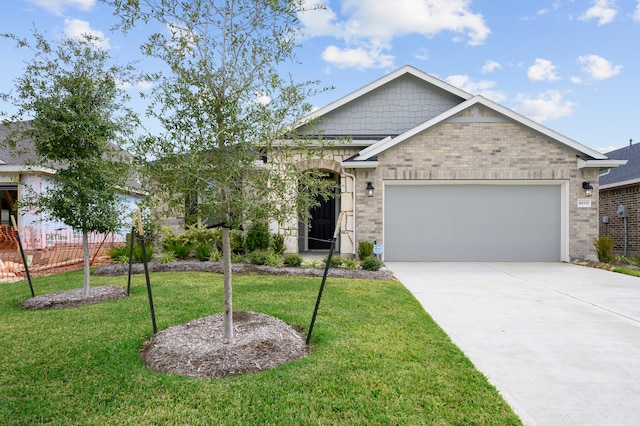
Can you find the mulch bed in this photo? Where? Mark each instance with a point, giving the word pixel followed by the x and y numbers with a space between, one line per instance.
pixel 196 348
pixel 73 298
pixel 116 269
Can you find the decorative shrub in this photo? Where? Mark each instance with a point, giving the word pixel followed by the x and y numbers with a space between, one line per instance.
pixel 604 248
pixel 365 249
pixel 179 246
pixel 336 261
pixel 277 243
pixel 237 241
pixel 258 257
pixel 349 263
pixel 257 236
pixel 370 264
pixel 196 236
pixel 273 259
pixel 238 258
pixel 167 256
pixel 204 250
pixel 116 252
pixel 137 253
pixel 293 260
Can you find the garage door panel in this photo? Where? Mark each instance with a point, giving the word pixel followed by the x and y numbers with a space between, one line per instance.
pixel 472 222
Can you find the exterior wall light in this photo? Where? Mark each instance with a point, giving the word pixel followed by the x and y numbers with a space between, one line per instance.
pixel 588 189
pixel 370 189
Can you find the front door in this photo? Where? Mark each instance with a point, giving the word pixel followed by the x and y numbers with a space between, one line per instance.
pixel 323 223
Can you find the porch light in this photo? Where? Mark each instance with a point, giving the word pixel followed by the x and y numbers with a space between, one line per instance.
pixel 588 189
pixel 370 189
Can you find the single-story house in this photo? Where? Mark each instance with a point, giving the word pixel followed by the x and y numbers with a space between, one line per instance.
pixel 37 232
pixel 432 173
pixel 620 197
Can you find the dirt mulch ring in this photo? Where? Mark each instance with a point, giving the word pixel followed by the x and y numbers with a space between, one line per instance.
pixel 116 269
pixel 196 348
pixel 73 298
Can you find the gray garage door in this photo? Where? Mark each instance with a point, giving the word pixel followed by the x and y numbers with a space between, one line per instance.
pixel 472 223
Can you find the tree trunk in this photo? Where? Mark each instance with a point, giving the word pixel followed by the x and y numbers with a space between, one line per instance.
pixel 228 305
pixel 85 249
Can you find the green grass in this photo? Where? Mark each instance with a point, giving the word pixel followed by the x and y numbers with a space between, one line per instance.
pixel 378 359
pixel 626 271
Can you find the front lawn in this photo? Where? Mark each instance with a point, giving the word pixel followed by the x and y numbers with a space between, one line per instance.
pixel 378 358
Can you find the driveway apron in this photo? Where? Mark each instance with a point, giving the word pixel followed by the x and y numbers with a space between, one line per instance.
pixel 560 342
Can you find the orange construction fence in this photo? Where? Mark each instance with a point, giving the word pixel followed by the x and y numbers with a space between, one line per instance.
pixel 49 252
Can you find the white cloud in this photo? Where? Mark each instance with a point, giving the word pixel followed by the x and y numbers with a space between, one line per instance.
pixel 542 69
pixel 361 58
pixel 422 54
pixel 57 6
pixel 545 106
pixel 603 10
pixel 75 28
pixel 373 24
pixel 598 68
pixel 142 85
pixel 490 66
pixel 636 13
pixel 576 80
pixel 482 87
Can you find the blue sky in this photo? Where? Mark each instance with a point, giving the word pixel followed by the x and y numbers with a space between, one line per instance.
pixel 572 65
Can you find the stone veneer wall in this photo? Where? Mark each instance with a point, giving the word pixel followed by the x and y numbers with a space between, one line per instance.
pixel 610 199
pixel 486 150
pixel 331 163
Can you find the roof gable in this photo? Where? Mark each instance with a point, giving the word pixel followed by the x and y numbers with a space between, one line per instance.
pixel 502 113
pixel 388 106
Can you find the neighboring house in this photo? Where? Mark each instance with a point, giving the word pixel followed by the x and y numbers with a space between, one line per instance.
pixel 16 176
pixel 621 187
pixel 452 177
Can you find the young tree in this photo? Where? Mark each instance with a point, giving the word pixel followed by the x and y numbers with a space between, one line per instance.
pixel 71 96
pixel 227 113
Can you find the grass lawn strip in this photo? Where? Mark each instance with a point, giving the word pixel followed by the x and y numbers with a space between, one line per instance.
pixel 377 358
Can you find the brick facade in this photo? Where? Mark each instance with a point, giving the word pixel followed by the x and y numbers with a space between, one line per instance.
pixel 610 199
pixel 489 149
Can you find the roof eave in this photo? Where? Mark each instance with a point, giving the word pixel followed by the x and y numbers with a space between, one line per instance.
pixel 359 164
pixel 600 164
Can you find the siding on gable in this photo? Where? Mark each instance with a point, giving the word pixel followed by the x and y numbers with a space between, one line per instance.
pixel 392 109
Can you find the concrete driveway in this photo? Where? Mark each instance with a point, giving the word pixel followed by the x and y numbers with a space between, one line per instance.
pixel 560 342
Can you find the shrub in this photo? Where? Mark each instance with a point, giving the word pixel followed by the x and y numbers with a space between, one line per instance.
pixel 137 253
pixel 370 264
pixel 336 261
pixel 196 236
pixel 116 252
pixel 277 243
pixel 179 246
pixel 293 260
pixel 604 248
pixel 273 259
pixel 204 250
pixel 257 236
pixel 167 256
pixel 349 263
pixel 237 258
pixel 215 256
pixel 123 258
pixel 365 249
pixel 258 257
pixel 237 241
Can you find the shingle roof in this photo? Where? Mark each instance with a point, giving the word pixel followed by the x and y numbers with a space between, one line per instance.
pixel 628 172
pixel 26 153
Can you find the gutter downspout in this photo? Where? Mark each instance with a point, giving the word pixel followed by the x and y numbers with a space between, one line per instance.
pixel 352 176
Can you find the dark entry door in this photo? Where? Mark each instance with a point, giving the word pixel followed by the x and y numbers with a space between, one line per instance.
pixel 323 219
